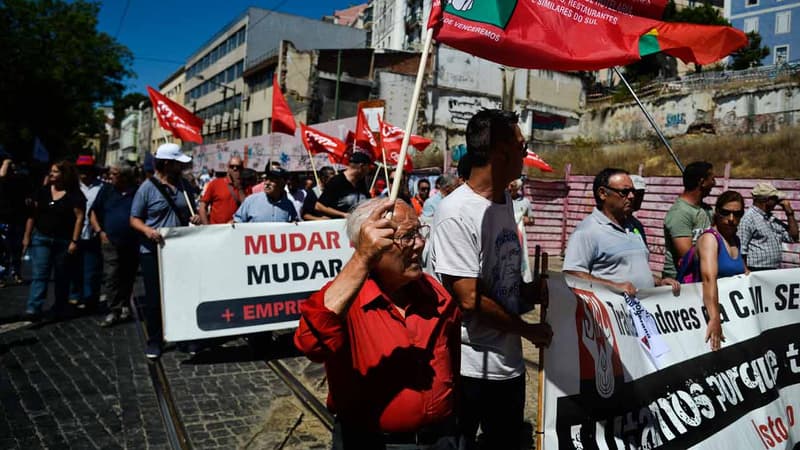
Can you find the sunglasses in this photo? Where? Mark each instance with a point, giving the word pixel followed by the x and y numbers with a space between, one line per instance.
pixel 622 192
pixel 722 212
pixel 234 167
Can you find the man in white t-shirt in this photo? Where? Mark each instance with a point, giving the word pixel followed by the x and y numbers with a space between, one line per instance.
pixel 477 255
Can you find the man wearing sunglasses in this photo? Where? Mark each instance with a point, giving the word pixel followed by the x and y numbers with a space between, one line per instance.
pixel 761 234
pixel 605 247
pixel 223 195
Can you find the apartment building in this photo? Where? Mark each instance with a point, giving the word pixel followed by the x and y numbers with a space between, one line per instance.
pixel 215 86
pixel 777 21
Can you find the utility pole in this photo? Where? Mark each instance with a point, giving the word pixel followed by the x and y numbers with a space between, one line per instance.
pixel 338 81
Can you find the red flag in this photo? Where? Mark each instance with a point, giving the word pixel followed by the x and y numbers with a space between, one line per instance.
pixel 175 118
pixel 392 137
pixel 282 118
pixel 364 139
pixel 573 34
pixel 534 160
pixel 318 142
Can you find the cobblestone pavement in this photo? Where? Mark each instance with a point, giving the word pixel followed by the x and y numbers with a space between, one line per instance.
pixel 73 384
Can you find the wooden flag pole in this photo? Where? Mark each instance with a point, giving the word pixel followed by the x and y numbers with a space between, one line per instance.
pixel 375 178
pixel 651 120
pixel 389 182
pixel 313 167
pixel 412 114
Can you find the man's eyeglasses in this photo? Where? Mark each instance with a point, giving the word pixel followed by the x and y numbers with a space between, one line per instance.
pixel 408 239
pixel 234 167
pixel 722 212
pixel 622 192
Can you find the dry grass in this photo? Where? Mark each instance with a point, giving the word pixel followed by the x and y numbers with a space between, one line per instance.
pixel 775 155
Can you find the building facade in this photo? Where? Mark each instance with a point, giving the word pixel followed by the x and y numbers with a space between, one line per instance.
pixel 215 85
pixel 777 21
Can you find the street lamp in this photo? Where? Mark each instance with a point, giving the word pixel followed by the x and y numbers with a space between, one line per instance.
pixel 225 88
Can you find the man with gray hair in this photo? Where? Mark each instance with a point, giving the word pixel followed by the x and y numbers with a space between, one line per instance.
pixel 109 218
pixel 389 336
pixel 761 234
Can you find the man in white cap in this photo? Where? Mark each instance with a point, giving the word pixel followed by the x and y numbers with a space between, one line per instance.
pixel 163 200
pixel 761 234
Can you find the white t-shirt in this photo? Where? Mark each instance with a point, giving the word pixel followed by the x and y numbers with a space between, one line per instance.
pixel 473 237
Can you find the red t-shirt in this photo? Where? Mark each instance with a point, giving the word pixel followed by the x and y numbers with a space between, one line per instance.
pixel 385 372
pixel 218 195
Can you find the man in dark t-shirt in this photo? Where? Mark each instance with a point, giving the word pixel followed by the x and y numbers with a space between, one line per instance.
pixel 346 190
pixel 309 210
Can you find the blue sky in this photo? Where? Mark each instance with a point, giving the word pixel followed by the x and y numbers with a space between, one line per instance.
pixel 162 34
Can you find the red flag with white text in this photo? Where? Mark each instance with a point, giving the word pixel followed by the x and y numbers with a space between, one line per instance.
pixel 392 137
pixel 364 139
pixel 316 142
pixel 175 118
pixel 282 117
pixel 574 34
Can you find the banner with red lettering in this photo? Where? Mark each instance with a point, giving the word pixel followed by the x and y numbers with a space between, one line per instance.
pixel 637 373
pixel 255 279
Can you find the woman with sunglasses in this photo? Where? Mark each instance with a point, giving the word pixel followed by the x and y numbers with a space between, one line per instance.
pixel 719 254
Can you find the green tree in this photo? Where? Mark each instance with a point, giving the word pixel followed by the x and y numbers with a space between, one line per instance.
pixel 56 68
pixel 752 54
pixel 705 14
pixel 131 100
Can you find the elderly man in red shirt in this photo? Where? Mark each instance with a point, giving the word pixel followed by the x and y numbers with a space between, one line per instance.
pixel 389 336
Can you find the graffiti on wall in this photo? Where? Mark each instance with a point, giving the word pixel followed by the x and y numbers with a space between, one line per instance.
pixel 675 119
pixel 462 108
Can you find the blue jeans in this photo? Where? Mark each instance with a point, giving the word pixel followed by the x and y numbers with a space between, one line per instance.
pixel 49 253
pixel 85 286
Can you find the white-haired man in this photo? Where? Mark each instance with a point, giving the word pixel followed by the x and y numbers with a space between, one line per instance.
pixel 389 336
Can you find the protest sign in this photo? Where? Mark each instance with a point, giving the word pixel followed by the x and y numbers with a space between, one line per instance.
pixel 223 280
pixel 603 389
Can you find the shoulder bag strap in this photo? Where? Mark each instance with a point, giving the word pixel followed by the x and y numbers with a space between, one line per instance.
pixel 163 190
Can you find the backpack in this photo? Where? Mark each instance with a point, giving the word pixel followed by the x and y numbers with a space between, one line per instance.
pixel 689 264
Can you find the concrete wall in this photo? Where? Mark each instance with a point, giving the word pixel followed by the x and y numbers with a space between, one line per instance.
pixel 761 110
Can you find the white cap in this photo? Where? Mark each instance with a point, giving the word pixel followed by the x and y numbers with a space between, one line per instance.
pixel 173 152
pixel 638 182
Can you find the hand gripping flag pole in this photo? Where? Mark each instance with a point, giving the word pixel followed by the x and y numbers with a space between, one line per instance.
pixel 412 114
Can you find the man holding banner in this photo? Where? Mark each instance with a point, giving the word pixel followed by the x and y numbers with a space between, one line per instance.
pixel 388 335
pixel 605 248
pixel 477 254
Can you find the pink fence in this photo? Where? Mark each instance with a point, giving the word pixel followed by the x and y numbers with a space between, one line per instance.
pixel 559 205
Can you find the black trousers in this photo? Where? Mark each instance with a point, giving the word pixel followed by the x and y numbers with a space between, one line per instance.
pixel 498 407
pixel 152 297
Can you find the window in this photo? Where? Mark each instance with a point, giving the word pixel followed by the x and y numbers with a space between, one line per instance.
pixel 751 25
pixel 781 54
pixel 257 128
pixel 783 22
pixel 749 3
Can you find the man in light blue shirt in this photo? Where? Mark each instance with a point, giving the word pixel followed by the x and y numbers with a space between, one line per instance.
pixel 604 248
pixel 272 205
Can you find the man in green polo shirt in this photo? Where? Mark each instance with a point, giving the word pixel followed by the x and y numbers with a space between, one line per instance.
pixel 689 216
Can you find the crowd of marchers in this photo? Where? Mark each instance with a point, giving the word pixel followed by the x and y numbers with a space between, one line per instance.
pixel 421 331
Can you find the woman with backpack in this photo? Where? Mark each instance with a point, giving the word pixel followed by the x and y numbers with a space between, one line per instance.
pixel 717 254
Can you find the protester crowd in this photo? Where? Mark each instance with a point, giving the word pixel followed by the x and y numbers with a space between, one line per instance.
pixel 421 331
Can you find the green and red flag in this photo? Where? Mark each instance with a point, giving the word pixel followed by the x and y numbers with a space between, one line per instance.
pixel 574 34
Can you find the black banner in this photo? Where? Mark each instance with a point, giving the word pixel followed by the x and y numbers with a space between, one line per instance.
pixel 245 312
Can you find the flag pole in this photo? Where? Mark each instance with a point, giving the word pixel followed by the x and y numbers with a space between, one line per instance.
pixel 412 113
pixel 313 168
pixel 375 178
pixel 389 182
pixel 651 120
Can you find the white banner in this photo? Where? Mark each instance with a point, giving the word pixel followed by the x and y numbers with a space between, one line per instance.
pixel 223 280
pixel 612 395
